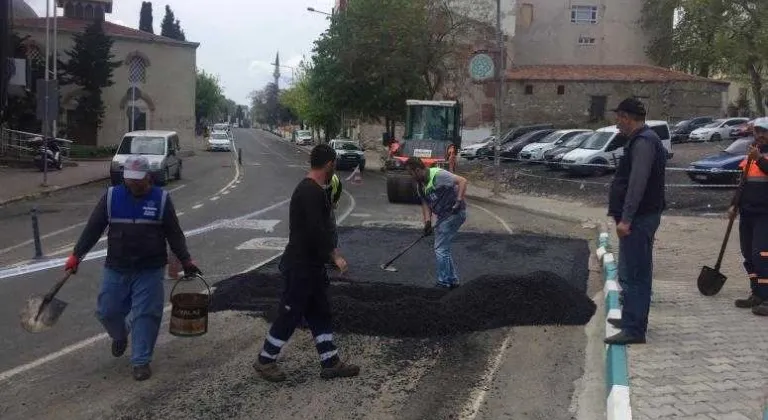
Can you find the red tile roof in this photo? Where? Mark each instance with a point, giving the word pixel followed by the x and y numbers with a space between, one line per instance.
pixel 612 73
pixel 111 29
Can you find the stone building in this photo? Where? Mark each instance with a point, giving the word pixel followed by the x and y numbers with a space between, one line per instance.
pixel 154 88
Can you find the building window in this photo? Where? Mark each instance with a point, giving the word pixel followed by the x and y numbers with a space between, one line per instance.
pixel 586 40
pixel 529 89
pixel 88 11
pixel 561 89
pixel 597 108
pixel 34 53
pixel 137 70
pixel 584 14
pixel 79 10
pixel 526 14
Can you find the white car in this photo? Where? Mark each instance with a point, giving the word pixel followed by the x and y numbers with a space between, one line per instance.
pixel 535 151
pixel 303 137
pixel 219 140
pixel 717 130
pixel 470 152
pixel 606 146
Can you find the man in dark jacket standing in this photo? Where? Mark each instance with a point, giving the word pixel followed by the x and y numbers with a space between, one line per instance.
pixel 636 202
pixel 141 218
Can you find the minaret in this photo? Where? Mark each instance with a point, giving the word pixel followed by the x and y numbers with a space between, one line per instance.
pixel 276 74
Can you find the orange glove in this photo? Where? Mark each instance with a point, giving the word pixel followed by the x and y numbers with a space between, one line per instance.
pixel 72 263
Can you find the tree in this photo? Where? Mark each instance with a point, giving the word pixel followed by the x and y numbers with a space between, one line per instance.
pixel 90 67
pixel 171 27
pixel 208 98
pixel 145 19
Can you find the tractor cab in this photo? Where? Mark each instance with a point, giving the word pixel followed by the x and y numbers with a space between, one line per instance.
pixel 430 127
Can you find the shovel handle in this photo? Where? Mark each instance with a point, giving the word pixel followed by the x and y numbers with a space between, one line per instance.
pixel 388 263
pixel 731 218
pixel 49 297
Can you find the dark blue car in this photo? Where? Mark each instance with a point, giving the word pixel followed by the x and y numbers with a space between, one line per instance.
pixel 714 169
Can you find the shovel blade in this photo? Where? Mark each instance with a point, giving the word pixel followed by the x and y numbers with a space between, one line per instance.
pixel 389 268
pixel 710 281
pixel 36 317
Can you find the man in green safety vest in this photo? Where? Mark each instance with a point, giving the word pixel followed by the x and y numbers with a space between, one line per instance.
pixel 442 194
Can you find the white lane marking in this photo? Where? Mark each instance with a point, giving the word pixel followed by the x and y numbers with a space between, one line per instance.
pixel 46 265
pixel 360 215
pixel 236 178
pixel 215 198
pixel 472 409
pixel 196 206
pixel 225 193
pixel 8 374
pixel 259 224
pixel 274 244
pixel 177 188
pixel 179 213
pixel 48 235
pixel 495 216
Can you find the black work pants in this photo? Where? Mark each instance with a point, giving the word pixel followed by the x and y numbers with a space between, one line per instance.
pixel 305 297
pixel 753 238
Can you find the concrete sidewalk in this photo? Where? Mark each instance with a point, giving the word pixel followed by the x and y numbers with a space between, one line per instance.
pixel 24 183
pixel 705 359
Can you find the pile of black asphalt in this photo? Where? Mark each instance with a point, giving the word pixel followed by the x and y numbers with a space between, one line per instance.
pixel 507 280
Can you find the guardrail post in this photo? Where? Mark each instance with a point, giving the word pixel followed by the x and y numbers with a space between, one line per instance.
pixel 36 233
pixel 240 156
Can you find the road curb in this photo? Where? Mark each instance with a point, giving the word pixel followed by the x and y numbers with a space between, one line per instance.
pixel 51 191
pixel 539 212
pixel 618 405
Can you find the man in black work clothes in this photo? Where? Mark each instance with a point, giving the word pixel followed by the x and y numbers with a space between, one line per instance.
pixel 636 202
pixel 310 245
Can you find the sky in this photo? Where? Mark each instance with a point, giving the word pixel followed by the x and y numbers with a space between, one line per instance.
pixel 238 38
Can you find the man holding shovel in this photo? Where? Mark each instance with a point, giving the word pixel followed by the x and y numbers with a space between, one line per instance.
pixel 753 220
pixel 141 219
pixel 636 202
pixel 441 193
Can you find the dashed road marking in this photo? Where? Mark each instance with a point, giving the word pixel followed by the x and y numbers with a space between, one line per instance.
pixel 197 206
pixel 177 188
pixel 225 193
pixel 215 198
pixel 179 213
pixel 360 215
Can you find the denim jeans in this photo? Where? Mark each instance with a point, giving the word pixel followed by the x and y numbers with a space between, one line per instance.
pixel 141 294
pixel 636 273
pixel 445 230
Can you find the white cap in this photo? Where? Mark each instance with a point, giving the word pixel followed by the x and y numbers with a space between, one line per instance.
pixel 761 122
pixel 136 167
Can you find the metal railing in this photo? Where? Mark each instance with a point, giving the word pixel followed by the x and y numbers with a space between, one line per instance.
pixel 22 145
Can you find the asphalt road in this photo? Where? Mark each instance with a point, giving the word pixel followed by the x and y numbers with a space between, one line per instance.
pixel 236 219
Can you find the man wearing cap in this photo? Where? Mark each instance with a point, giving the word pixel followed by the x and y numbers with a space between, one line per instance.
pixel 636 202
pixel 141 219
pixel 753 220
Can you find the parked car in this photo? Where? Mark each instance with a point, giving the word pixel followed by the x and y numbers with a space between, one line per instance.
pixel 511 135
pixel 221 127
pixel 605 146
pixel 711 169
pixel 219 140
pixel 470 152
pixel 535 151
pixel 348 154
pixel 717 130
pixel 303 137
pixel 682 130
pixel 742 130
pixel 161 149
pixel 511 150
pixel 554 156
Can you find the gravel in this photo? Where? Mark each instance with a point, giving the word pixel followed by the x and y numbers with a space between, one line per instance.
pixel 504 285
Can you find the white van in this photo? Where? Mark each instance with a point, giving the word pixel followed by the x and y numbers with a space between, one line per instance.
pixel 303 137
pixel 606 146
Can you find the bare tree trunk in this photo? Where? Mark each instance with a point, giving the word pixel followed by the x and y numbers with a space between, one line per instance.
pixel 757 86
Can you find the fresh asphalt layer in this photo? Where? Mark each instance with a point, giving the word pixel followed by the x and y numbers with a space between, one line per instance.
pixel 68 373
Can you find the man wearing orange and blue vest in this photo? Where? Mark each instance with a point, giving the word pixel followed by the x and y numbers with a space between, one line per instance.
pixel 441 194
pixel 753 220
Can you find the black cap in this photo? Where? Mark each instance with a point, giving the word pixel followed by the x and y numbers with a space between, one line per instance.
pixel 631 106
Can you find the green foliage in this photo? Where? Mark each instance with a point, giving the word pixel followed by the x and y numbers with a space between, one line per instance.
pixel 209 98
pixel 145 19
pixel 171 27
pixel 91 152
pixel 90 67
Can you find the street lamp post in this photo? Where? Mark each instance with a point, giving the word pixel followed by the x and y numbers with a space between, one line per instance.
pixel 312 9
pixel 499 98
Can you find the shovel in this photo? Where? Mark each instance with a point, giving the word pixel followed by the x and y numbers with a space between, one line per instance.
pixel 387 266
pixel 711 280
pixel 41 312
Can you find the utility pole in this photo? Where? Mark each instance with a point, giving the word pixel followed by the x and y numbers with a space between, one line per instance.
pixel 46 119
pixel 5 55
pixel 501 74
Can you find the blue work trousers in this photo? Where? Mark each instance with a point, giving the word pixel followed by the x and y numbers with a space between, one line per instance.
pixel 141 294
pixel 636 273
pixel 445 231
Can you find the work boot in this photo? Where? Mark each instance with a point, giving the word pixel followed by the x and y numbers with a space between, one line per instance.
pixel 142 372
pixel 750 302
pixel 615 322
pixel 761 309
pixel 340 370
pixel 118 347
pixel 623 339
pixel 269 371
pixel 446 285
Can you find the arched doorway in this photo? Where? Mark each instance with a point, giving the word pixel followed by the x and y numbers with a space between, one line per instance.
pixel 137 113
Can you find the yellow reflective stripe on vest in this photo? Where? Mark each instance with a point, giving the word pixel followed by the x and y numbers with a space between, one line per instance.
pixel 431 179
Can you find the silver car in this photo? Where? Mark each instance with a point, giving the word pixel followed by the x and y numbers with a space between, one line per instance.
pixel 161 149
